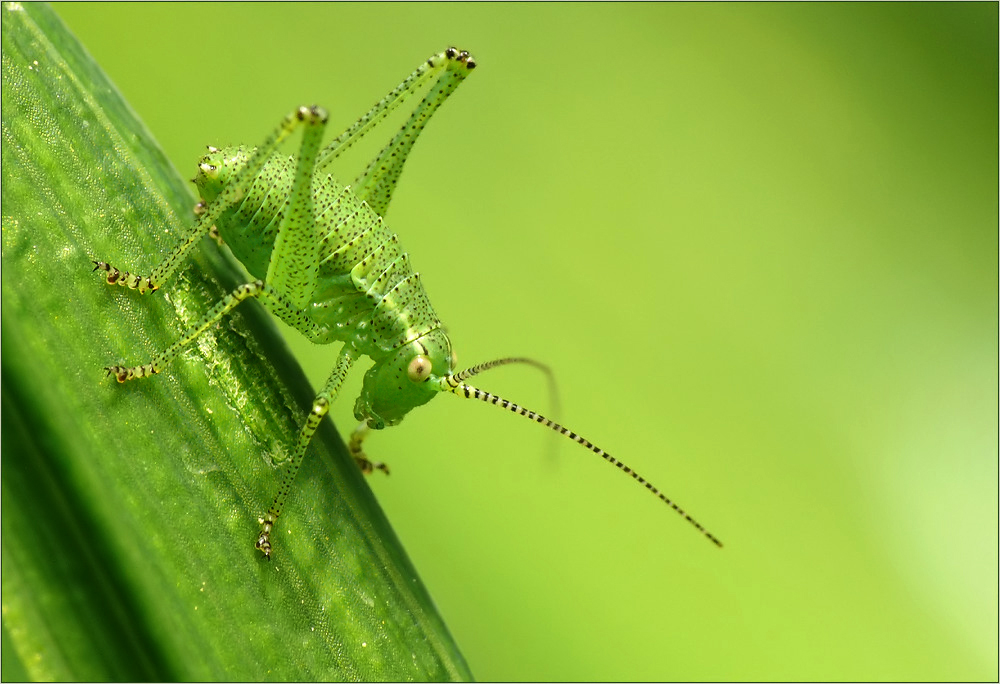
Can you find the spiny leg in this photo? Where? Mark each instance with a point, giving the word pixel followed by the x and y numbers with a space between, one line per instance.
pixel 320 407
pixel 230 195
pixel 257 289
pixel 356 448
pixel 388 104
pixel 378 181
pixel 227 304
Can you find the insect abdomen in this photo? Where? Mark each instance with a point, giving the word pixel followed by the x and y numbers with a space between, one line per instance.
pixel 367 291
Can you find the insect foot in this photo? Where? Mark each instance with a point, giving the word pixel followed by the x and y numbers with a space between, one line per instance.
pixel 368 467
pixel 126 279
pixel 358 452
pixel 123 373
pixel 264 540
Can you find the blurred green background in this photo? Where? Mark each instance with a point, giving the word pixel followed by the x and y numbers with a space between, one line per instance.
pixel 758 245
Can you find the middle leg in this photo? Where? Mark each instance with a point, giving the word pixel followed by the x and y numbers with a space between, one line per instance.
pixel 320 407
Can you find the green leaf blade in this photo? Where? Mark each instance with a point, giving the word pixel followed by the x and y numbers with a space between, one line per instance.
pixel 130 510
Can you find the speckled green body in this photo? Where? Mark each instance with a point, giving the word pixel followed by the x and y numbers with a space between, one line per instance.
pixel 366 294
pixel 325 263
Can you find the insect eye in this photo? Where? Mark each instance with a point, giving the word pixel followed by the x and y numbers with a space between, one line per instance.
pixel 419 368
pixel 209 170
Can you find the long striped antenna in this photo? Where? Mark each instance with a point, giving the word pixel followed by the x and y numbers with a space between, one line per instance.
pixel 555 407
pixel 456 385
pixel 553 389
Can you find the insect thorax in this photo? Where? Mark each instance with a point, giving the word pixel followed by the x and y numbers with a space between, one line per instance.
pixel 366 293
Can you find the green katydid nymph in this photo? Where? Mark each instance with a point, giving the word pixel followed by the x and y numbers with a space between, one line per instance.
pixel 325 263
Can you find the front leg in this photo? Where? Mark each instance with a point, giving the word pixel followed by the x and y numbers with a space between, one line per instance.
pixel 320 407
pixel 359 435
pixel 314 118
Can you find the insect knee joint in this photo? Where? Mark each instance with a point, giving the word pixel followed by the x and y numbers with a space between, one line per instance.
pixel 461 56
pixel 321 407
pixel 249 289
pixel 312 115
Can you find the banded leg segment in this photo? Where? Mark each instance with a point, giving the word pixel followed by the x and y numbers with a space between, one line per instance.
pixel 359 435
pixel 378 181
pixel 227 304
pixel 320 407
pixel 232 194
